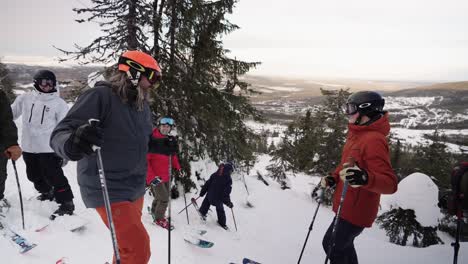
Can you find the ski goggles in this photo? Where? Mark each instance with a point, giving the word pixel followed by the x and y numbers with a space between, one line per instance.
pixel 154 77
pixel 45 82
pixel 166 121
pixel 350 109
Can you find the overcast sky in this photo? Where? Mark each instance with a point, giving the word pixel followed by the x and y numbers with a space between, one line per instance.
pixel 368 39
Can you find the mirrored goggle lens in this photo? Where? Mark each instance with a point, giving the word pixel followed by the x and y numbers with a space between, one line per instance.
pixel 45 82
pixel 153 76
pixel 350 109
pixel 166 121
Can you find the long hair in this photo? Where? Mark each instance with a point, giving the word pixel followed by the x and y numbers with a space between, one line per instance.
pixel 122 86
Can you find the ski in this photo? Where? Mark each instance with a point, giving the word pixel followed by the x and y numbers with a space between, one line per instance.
pixel 24 245
pixel 73 223
pixel 198 242
pixel 249 261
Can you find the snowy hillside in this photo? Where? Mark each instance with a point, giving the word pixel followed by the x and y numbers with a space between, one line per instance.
pixel 273 231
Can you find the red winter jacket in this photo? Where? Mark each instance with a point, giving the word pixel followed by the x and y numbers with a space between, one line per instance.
pixel 158 164
pixel 368 146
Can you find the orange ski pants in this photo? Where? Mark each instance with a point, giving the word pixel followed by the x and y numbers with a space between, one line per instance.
pixel 132 238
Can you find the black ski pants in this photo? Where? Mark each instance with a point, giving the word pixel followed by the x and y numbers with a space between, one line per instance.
pixel 3 174
pixel 44 170
pixel 219 210
pixel 343 251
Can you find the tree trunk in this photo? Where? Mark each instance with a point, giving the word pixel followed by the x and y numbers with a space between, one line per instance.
pixel 172 32
pixel 132 42
pixel 157 17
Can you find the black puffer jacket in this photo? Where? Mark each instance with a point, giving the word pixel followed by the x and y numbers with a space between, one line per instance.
pixel 219 186
pixel 8 131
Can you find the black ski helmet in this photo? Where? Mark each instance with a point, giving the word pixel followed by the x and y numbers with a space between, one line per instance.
pixel 44 75
pixel 367 103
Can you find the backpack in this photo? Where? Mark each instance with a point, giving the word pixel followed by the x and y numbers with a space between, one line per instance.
pixel 458 199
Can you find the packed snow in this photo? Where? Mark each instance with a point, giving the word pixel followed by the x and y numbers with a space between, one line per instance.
pixel 418 192
pixel 271 232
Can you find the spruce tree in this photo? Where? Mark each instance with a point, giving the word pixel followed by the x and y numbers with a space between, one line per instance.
pixel 201 87
pixel 401 225
pixel 435 160
pixel 6 83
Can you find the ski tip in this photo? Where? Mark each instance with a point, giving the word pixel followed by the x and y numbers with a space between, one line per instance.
pixel 26 249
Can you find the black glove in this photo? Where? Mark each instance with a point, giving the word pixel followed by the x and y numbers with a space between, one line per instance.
pixel 202 193
pixel 172 145
pixel 328 181
pixel 82 141
pixel 229 204
pixel 355 176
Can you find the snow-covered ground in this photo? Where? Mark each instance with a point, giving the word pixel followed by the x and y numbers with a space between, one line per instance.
pixel 272 232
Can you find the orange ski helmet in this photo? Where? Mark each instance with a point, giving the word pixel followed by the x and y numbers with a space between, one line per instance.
pixel 136 63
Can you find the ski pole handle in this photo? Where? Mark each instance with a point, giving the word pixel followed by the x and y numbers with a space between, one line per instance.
pixel 94 123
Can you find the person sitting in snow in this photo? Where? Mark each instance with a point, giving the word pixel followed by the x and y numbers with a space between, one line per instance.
pixel 9 148
pixel 41 110
pixel 218 189
pixel 365 165
pixel 161 148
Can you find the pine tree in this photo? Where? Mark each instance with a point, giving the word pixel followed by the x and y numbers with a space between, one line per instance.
pixel 6 84
pixel 313 143
pixel 124 27
pixel 435 160
pixel 201 87
pixel 401 225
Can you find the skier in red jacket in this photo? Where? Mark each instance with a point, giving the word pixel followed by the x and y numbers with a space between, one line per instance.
pixel 162 148
pixel 369 175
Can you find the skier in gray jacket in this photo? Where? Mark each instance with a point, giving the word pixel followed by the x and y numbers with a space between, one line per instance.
pixel 121 106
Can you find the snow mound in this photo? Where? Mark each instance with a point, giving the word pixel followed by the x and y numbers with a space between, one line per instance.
pixel 417 192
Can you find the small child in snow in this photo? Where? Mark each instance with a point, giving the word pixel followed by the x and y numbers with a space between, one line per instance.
pixel 218 189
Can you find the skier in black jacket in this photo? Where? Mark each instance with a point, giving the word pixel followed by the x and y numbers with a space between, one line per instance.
pixel 9 148
pixel 218 189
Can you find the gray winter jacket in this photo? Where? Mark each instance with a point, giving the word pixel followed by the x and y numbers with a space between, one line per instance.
pixel 126 135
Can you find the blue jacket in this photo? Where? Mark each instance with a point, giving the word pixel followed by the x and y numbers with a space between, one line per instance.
pixel 126 135
pixel 219 186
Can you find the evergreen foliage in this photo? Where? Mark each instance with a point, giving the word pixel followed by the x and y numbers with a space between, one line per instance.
pixel 401 225
pixel 201 87
pixel 6 84
pixel 313 143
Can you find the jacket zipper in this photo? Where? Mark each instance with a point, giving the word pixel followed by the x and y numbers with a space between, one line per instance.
pixel 43 110
pixel 30 115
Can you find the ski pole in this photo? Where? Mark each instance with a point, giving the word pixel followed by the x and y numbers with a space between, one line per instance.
pixel 105 194
pixel 169 212
pixel 185 201
pixel 336 220
pixel 19 191
pixel 188 205
pixel 311 225
pixel 456 244
pixel 232 210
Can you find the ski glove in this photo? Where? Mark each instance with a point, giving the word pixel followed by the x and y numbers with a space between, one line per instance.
pixel 328 181
pixel 82 141
pixel 229 204
pixel 155 182
pixel 13 152
pixel 202 193
pixel 356 176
